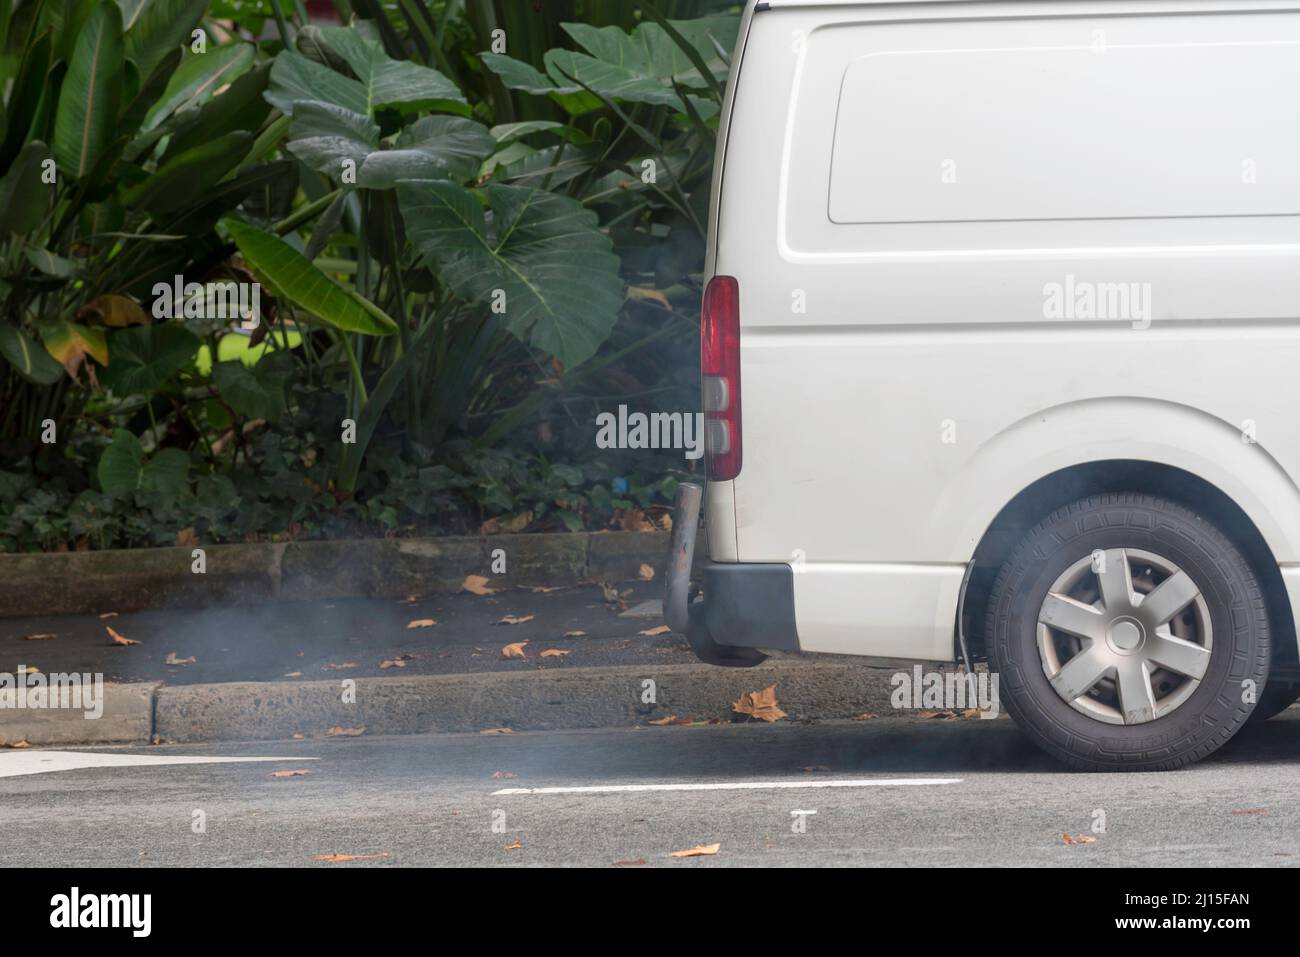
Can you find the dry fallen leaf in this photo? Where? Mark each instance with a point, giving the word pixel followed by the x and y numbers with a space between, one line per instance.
pixel 23 743
pixel 171 659
pixel 41 637
pixel 637 862
pixel 108 614
pixel 118 639
pixel 1081 839
pixel 514 847
pixel 186 538
pixel 573 634
pixel 497 731
pixel 288 774
pixel 294 674
pixel 335 667
pixel 420 623
pixel 340 732
pixel 515 620
pixel 515 650
pixel 396 663
pixel 759 704
pixel 865 716
pixel 667 719
pixel 661 630
pixel 543 589
pixel 555 653
pixel 704 850
pixel 645 572
pixel 340 858
pixel 477 585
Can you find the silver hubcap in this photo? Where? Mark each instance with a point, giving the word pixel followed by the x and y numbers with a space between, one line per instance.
pixel 1124 636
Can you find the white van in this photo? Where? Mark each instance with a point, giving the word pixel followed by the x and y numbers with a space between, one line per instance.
pixel 1001 355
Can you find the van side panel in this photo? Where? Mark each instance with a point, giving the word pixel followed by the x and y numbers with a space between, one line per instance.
pixel 926 331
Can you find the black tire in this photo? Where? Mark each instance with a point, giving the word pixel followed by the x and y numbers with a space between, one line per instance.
pixel 1276 698
pixel 1211 713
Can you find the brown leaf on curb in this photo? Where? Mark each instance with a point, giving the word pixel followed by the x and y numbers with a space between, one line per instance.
pixel 476 585
pixel 1081 839
pixel 171 659
pixel 337 667
pixel 555 653
pixel 645 572
pixel 637 863
pixel 342 858
pixel 294 674
pixel 17 745
pixel 420 623
pixel 573 634
pixel 704 850
pixel 497 731
pixel 289 774
pixel 40 637
pixel 515 650
pixel 674 720
pixel 661 630
pixel 515 619
pixel 543 589
pixel 514 847
pixel 118 639
pixel 865 716
pixel 759 704
pixel 339 731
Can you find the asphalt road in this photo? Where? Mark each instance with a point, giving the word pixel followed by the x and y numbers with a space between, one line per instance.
pixel 977 793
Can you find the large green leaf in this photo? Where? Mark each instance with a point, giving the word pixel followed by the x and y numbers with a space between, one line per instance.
pixel 28 357
pixel 295 78
pixel 544 251
pixel 640 67
pixel 142 358
pixel 156 27
pixel 24 199
pixel 393 83
pixel 92 90
pixel 25 97
pixel 259 391
pixel 123 467
pixel 434 147
pixel 292 277
pixel 324 136
pixel 198 77
pixel 189 174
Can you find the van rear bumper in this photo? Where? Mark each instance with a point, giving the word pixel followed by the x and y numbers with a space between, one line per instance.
pixel 746 606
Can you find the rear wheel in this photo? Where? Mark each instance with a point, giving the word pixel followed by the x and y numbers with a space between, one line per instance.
pixel 1125 631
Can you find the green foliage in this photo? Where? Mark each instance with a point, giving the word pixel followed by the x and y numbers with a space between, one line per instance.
pixel 466 253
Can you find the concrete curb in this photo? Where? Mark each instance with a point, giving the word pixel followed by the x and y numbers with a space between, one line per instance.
pixel 127 719
pixel 607 697
pixel 130 580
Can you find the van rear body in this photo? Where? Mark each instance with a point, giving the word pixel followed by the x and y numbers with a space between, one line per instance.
pixel 1015 292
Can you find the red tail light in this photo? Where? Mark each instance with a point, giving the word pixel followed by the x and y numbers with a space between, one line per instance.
pixel 720 364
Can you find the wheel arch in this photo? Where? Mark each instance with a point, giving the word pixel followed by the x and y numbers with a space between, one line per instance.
pixel 1067 453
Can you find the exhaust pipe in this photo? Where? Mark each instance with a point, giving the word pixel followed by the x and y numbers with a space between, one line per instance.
pixel 686 522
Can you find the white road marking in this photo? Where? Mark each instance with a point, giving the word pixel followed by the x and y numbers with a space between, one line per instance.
pixel 734 786
pixel 16 763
